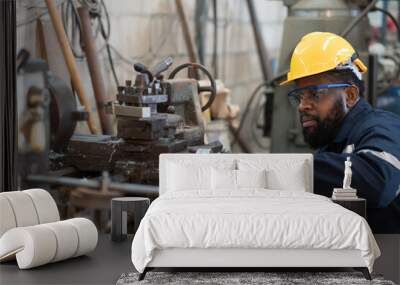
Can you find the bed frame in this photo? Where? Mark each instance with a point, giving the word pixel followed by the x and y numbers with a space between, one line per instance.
pixel 241 259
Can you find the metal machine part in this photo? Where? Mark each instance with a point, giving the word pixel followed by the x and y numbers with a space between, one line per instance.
pixel 384 72
pixel 162 66
pixel 191 70
pixel 63 113
pixel 153 116
pixel 306 16
pixel 183 96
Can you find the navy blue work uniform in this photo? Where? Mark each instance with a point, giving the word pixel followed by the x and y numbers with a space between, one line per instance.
pixel 371 138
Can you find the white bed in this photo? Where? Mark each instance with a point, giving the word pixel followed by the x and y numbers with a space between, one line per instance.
pixel 247 226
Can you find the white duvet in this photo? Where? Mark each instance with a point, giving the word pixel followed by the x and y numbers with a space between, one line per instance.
pixel 250 219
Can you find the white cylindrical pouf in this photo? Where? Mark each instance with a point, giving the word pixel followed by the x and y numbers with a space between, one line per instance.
pixel 87 234
pixel 35 245
pixel 67 239
pixel 23 207
pixel 40 244
pixel 7 218
pixel 45 205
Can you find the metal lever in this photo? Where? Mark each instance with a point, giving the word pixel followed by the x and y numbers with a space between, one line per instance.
pixel 162 66
pixel 141 68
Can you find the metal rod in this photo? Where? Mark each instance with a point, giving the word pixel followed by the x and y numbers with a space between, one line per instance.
pixel 261 50
pixel 215 40
pixel 357 19
pixel 135 189
pixel 201 12
pixel 186 31
pixel 372 79
pixel 70 62
pixel 264 64
pixel 89 46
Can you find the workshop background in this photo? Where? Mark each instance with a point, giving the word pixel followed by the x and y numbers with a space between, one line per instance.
pixel 111 49
pixel 96 105
pixel 149 31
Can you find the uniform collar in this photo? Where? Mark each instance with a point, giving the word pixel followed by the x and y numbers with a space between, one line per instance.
pixel 349 120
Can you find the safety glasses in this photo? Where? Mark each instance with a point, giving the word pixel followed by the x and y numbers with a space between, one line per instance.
pixel 312 93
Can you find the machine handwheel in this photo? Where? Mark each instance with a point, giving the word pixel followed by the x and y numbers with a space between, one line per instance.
pixel 212 88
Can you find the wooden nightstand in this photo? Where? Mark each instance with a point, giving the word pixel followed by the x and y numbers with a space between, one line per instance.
pixel 357 205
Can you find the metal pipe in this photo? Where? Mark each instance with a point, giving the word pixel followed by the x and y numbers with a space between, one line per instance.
pixel 372 79
pixel 130 188
pixel 215 39
pixel 89 46
pixel 356 20
pixel 262 52
pixel 200 14
pixel 264 64
pixel 186 31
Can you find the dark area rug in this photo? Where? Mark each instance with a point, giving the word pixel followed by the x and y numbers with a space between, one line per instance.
pixel 228 278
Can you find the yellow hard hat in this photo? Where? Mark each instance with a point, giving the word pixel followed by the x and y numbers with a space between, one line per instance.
pixel 318 52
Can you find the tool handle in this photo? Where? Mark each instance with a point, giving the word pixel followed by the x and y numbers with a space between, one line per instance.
pixel 162 66
pixel 71 64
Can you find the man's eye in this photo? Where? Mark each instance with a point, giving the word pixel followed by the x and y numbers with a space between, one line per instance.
pixel 323 91
pixel 311 94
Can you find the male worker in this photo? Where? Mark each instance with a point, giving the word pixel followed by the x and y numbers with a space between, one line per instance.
pixel 339 123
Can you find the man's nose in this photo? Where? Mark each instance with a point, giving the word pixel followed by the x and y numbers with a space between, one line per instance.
pixel 304 105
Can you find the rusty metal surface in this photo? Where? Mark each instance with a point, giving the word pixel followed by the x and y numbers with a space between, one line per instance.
pixel 62 107
pixel 174 124
pixel 149 99
pixel 98 153
pixel 89 46
pixel 184 97
pixel 142 128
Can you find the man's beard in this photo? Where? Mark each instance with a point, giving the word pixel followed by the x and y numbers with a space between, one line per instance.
pixel 326 130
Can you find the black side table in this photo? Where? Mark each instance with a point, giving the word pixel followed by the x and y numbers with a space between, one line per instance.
pixel 357 205
pixel 120 208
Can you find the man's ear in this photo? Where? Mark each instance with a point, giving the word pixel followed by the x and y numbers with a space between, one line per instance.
pixel 352 96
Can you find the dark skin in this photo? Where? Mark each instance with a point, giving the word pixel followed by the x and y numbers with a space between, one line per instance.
pixel 323 108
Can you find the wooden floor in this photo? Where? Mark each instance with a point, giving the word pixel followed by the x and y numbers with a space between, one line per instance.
pixel 103 266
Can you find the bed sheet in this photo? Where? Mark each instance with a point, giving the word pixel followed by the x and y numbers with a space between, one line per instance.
pixel 250 218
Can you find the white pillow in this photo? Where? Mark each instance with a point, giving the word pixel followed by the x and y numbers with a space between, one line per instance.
pixel 183 177
pixel 227 179
pixel 282 174
pixel 223 179
pixel 251 178
pixel 292 179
